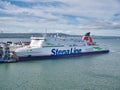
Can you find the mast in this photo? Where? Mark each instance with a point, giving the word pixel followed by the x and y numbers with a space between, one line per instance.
pixel 45 34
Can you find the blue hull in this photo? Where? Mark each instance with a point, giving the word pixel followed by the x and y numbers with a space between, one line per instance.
pixel 59 56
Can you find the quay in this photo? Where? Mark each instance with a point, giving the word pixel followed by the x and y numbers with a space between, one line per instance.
pixel 7 49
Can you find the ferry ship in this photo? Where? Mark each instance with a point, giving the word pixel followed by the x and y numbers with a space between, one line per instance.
pixel 57 47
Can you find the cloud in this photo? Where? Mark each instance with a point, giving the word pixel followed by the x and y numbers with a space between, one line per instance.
pixel 101 25
pixel 59 15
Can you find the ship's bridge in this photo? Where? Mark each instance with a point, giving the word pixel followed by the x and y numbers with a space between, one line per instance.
pixel 37 41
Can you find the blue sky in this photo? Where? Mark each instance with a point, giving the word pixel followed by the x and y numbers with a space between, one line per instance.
pixel 101 17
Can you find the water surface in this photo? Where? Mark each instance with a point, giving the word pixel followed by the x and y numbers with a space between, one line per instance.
pixel 92 72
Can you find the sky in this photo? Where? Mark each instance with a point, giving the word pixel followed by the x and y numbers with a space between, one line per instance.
pixel 100 17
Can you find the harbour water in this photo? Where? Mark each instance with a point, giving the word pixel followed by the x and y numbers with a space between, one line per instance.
pixel 92 72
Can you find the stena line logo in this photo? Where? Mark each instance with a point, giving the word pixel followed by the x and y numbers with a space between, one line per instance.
pixel 65 52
